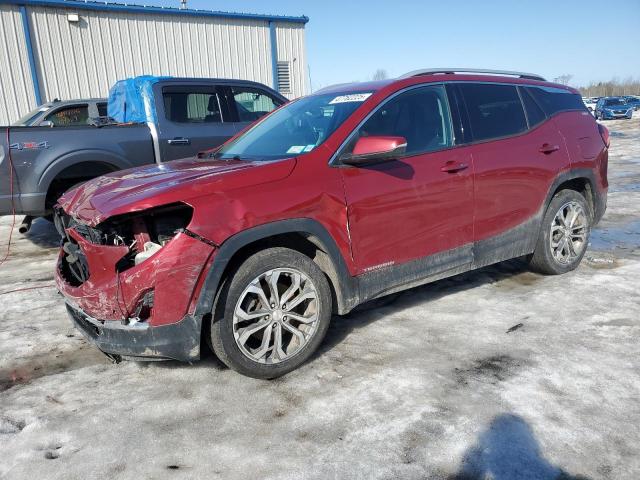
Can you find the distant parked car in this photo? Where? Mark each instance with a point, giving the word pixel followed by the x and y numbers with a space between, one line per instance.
pixel 67 113
pixel 634 102
pixel 590 103
pixel 610 108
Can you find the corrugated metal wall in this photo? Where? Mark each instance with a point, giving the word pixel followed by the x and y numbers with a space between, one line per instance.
pixel 16 89
pixel 291 48
pixel 83 59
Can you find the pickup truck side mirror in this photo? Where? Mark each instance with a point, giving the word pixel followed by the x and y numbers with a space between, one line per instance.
pixel 375 149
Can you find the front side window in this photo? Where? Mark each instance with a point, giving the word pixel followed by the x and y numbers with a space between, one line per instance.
pixel 252 104
pixel 420 116
pixel 69 116
pixel 494 110
pixel 192 107
pixel 295 129
pixel 102 109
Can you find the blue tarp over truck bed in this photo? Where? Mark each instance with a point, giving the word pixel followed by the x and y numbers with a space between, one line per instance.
pixel 131 100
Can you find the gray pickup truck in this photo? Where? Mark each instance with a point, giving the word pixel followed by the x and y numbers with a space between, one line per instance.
pixel 192 115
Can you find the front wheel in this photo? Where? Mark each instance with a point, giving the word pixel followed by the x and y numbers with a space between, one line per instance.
pixel 272 314
pixel 564 234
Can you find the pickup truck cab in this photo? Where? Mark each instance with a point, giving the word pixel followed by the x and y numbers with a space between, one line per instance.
pixel 191 115
pixel 67 113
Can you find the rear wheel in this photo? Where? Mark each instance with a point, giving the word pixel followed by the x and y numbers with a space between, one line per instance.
pixel 272 314
pixel 564 234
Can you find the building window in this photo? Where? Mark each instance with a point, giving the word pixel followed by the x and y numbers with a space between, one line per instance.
pixel 284 77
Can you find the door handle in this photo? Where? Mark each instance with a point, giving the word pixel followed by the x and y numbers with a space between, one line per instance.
pixel 453 167
pixel 179 141
pixel 547 148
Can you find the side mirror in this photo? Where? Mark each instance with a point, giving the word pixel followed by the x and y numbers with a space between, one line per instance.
pixel 46 123
pixel 375 149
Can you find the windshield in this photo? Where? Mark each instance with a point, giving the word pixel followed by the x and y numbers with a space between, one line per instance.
pixel 614 101
pixel 26 120
pixel 296 128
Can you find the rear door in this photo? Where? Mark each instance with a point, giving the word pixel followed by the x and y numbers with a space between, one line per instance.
pixel 516 156
pixel 420 204
pixel 191 118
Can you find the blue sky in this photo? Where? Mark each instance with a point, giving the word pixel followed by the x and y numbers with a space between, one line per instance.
pixel 349 40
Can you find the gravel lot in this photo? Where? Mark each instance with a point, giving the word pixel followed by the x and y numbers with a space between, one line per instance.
pixel 496 374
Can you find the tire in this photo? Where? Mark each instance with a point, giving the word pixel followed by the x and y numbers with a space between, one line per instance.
pixel 567 255
pixel 241 308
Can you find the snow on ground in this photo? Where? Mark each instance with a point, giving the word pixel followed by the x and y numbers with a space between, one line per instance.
pixel 438 383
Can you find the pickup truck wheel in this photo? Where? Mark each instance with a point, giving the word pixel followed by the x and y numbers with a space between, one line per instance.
pixel 272 314
pixel 564 234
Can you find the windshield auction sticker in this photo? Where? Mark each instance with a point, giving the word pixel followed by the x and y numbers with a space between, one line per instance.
pixel 354 97
pixel 296 149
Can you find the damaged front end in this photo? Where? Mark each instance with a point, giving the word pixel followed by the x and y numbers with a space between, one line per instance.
pixel 130 280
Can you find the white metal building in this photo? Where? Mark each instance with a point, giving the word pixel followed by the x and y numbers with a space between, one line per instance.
pixel 77 49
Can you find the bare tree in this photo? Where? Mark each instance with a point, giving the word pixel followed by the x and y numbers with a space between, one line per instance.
pixel 614 87
pixel 380 74
pixel 563 79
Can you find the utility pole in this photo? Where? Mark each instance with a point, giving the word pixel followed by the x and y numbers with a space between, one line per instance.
pixel 183 4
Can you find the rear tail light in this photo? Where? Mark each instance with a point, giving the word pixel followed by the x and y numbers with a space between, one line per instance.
pixel 604 133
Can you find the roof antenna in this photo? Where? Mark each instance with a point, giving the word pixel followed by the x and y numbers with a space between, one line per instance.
pixel 183 4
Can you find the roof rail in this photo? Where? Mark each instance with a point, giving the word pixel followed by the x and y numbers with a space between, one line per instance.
pixel 433 71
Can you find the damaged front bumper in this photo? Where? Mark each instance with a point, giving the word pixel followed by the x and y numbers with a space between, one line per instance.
pixel 141 310
pixel 177 341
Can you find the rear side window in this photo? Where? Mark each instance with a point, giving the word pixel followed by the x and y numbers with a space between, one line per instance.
pixel 419 115
pixel 252 103
pixel 102 110
pixel 192 107
pixel 554 100
pixel 535 115
pixel 494 110
pixel 69 116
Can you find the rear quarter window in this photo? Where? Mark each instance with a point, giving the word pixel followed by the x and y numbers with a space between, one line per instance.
pixel 494 110
pixel 553 100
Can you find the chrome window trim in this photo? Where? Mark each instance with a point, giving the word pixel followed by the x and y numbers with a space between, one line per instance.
pixel 333 162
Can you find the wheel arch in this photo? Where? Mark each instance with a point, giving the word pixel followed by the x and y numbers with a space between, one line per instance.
pixel 78 166
pixel 582 181
pixel 304 235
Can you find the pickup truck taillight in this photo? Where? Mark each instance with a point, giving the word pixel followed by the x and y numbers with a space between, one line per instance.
pixel 604 133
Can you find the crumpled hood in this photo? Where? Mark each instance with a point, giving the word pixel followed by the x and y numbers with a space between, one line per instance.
pixel 145 187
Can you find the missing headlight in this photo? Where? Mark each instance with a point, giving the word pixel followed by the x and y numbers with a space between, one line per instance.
pixel 144 232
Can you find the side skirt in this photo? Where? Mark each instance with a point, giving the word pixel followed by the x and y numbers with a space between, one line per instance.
pixel 513 243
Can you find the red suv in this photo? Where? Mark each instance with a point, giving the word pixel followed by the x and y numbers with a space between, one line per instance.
pixel 349 194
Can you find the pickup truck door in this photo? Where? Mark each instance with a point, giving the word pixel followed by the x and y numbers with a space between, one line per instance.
pixel 191 118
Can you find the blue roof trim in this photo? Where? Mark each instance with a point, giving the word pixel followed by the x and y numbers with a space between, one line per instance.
pixel 132 8
pixel 30 56
pixel 273 39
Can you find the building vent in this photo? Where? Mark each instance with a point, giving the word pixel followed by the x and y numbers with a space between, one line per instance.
pixel 284 77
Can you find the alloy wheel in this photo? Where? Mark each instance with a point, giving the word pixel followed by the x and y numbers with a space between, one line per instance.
pixel 569 231
pixel 276 315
